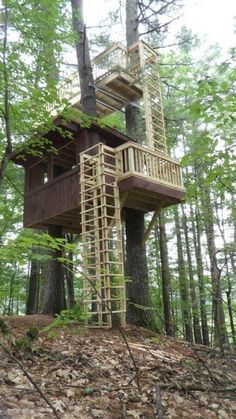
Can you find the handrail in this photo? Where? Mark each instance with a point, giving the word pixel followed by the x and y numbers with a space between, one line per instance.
pixel 108 50
pixel 146 149
pixel 151 164
pixel 114 58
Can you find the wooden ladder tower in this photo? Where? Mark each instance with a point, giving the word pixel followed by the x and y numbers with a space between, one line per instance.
pixel 152 96
pixel 103 288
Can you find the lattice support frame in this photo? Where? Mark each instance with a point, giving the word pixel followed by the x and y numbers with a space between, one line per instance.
pixel 104 285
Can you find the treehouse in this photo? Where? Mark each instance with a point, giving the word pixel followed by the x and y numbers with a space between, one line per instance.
pixel 84 187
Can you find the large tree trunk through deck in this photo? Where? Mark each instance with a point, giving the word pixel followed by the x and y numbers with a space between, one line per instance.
pixel 136 260
pixel 137 271
pixel 88 97
pixel 54 292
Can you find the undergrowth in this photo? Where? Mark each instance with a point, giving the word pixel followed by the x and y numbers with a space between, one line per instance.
pixel 66 317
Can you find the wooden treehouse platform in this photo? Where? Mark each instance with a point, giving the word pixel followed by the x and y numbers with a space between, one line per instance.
pixel 116 84
pixel 85 189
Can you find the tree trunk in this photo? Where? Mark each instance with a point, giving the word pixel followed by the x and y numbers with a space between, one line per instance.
pixel 32 297
pixel 183 285
pixel 88 98
pixel 139 302
pixel 220 334
pixel 200 274
pixel 229 304
pixel 136 260
pixel 165 275
pixel 70 276
pixel 11 293
pixel 195 311
pixel 221 226
pixel 54 292
pixel 6 108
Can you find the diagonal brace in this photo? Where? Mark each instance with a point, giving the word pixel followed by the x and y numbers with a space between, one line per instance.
pixel 151 224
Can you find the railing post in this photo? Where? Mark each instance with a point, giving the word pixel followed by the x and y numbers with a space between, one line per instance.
pixel 131 159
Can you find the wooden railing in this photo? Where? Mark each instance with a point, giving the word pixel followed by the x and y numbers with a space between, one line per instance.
pixel 114 58
pixel 110 60
pixel 135 159
pixel 68 89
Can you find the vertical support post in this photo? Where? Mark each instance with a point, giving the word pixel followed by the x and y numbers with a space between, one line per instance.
pixel 131 159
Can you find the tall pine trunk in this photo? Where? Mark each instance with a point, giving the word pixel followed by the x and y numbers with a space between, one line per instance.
pixel 221 226
pixel 139 301
pixel 6 107
pixel 165 275
pixel 220 333
pixel 195 306
pixel 200 274
pixel 183 283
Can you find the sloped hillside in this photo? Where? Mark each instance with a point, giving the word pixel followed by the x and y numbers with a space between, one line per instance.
pixel 91 374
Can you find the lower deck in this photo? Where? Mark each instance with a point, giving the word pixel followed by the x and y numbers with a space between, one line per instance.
pixel 147 181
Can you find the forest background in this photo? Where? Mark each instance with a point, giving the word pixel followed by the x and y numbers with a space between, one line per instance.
pixel 191 252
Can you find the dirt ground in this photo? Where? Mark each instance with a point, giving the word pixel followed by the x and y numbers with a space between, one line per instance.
pixel 89 373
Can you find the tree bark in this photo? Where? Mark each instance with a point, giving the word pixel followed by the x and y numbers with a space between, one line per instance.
pixel 54 292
